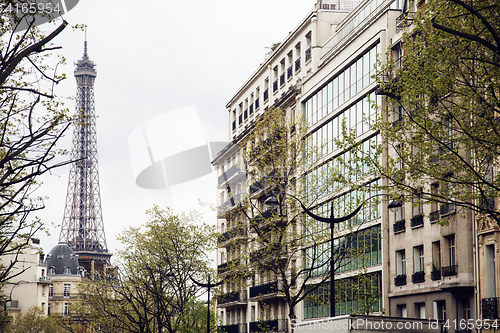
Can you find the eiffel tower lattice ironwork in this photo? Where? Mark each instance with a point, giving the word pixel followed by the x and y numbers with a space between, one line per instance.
pixel 82 228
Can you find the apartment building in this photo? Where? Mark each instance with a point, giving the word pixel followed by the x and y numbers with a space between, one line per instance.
pixel 65 274
pixel 431 246
pixel 325 71
pixel 31 286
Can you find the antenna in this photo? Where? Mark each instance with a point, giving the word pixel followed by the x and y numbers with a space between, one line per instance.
pixel 85 44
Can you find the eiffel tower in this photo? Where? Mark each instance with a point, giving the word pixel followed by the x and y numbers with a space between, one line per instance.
pixel 82 228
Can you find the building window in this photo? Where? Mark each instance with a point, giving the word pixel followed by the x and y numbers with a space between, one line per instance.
pixel 450 267
pixel 400 278
pixel 48 309
pixel 439 308
pixel 418 264
pixel 420 310
pixel 436 261
pixel 67 270
pixel 66 309
pixel 67 290
pixel 463 310
pixel 51 291
pixel 401 311
pixel 418 258
pixel 490 271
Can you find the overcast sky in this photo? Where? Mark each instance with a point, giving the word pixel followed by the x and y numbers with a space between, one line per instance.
pixel 154 57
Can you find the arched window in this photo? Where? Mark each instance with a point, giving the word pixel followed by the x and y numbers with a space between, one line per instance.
pixel 67 270
pixel 52 270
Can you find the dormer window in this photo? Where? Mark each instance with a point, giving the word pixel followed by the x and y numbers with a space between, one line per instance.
pixel 72 256
pixel 52 270
pixel 60 256
pixel 49 256
pixel 67 270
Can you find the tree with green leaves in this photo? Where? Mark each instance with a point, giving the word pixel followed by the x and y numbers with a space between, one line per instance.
pixel 32 121
pixel 33 321
pixel 441 126
pixel 154 291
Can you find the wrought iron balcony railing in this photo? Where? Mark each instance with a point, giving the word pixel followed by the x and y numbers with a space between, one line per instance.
pixel 489 307
pixel 417 220
pixel 418 277
pixel 400 280
pixel 449 270
pixel 235 328
pixel 265 289
pixel 399 226
pixel 447 208
pixel 436 274
pixel 272 251
pixel 434 216
pixel 235 296
pixel 235 232
pixel 224 267
pixel 404 20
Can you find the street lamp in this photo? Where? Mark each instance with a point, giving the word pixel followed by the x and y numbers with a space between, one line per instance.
pixel 272 201
pixel 207 285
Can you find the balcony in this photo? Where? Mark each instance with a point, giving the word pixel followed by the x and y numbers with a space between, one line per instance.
pixel 449 270
pixel 228 174
pixel 404 20
pixel 397 123
pixel 417 221
pixel 275 325
pixel 418 277
pixel 266 289
pixel 447 208
pixel 236 233
pixel 260 219
pixel 273 251
pixel 399 226
pixel 236 328
pixel 308 54
pixel 436 274
pixel 44 279
pixel 297 64
pixel 227 266
pixel 489 308
pixel 232 297
pixel 229 204
pixel 400 280
pixel 434 216
pixel 487 204
pixel 63 295
pixel 289 72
